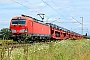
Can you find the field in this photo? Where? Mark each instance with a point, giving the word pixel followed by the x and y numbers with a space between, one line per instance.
pixel 55 50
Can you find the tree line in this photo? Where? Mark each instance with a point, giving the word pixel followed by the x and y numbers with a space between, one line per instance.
pixel 5 33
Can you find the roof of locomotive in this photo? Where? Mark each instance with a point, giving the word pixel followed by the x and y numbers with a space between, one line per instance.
pixel 35 20
pixel 31 18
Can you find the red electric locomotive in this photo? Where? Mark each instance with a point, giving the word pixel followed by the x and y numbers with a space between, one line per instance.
pixel 26 26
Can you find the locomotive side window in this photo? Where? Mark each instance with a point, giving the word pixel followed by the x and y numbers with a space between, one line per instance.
pixel 18 21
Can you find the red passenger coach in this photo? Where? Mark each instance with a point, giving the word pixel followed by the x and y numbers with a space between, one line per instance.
pixel 29 27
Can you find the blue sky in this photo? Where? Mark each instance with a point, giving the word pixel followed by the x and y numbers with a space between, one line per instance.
pixel 59 12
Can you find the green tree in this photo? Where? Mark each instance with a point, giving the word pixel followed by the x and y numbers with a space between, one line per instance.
pixel 5 32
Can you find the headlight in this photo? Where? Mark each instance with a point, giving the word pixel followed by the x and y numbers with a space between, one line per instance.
pixel 13 31
pixel 22 30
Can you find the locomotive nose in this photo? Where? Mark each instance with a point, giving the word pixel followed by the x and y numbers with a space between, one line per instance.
pixel 19 31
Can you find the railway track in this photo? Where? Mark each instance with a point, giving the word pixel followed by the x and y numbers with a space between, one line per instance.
pixel 16 45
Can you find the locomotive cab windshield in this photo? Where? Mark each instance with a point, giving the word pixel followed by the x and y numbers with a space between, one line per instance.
pixel 18 21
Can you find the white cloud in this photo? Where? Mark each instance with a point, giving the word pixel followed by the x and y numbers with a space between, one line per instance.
pixel 40 4
pixel 6 1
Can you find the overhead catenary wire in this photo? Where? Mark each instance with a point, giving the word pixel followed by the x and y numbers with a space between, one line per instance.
pixel 53 8
pixel 77 20
pixel 24 6
pixel 30 3
pixel 57 11
pixel 65 13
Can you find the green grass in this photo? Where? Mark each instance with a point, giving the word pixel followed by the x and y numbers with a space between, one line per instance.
pixel 6 41
pixel 58 50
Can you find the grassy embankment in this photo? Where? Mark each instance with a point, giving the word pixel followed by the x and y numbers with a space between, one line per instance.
pixel 58 50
